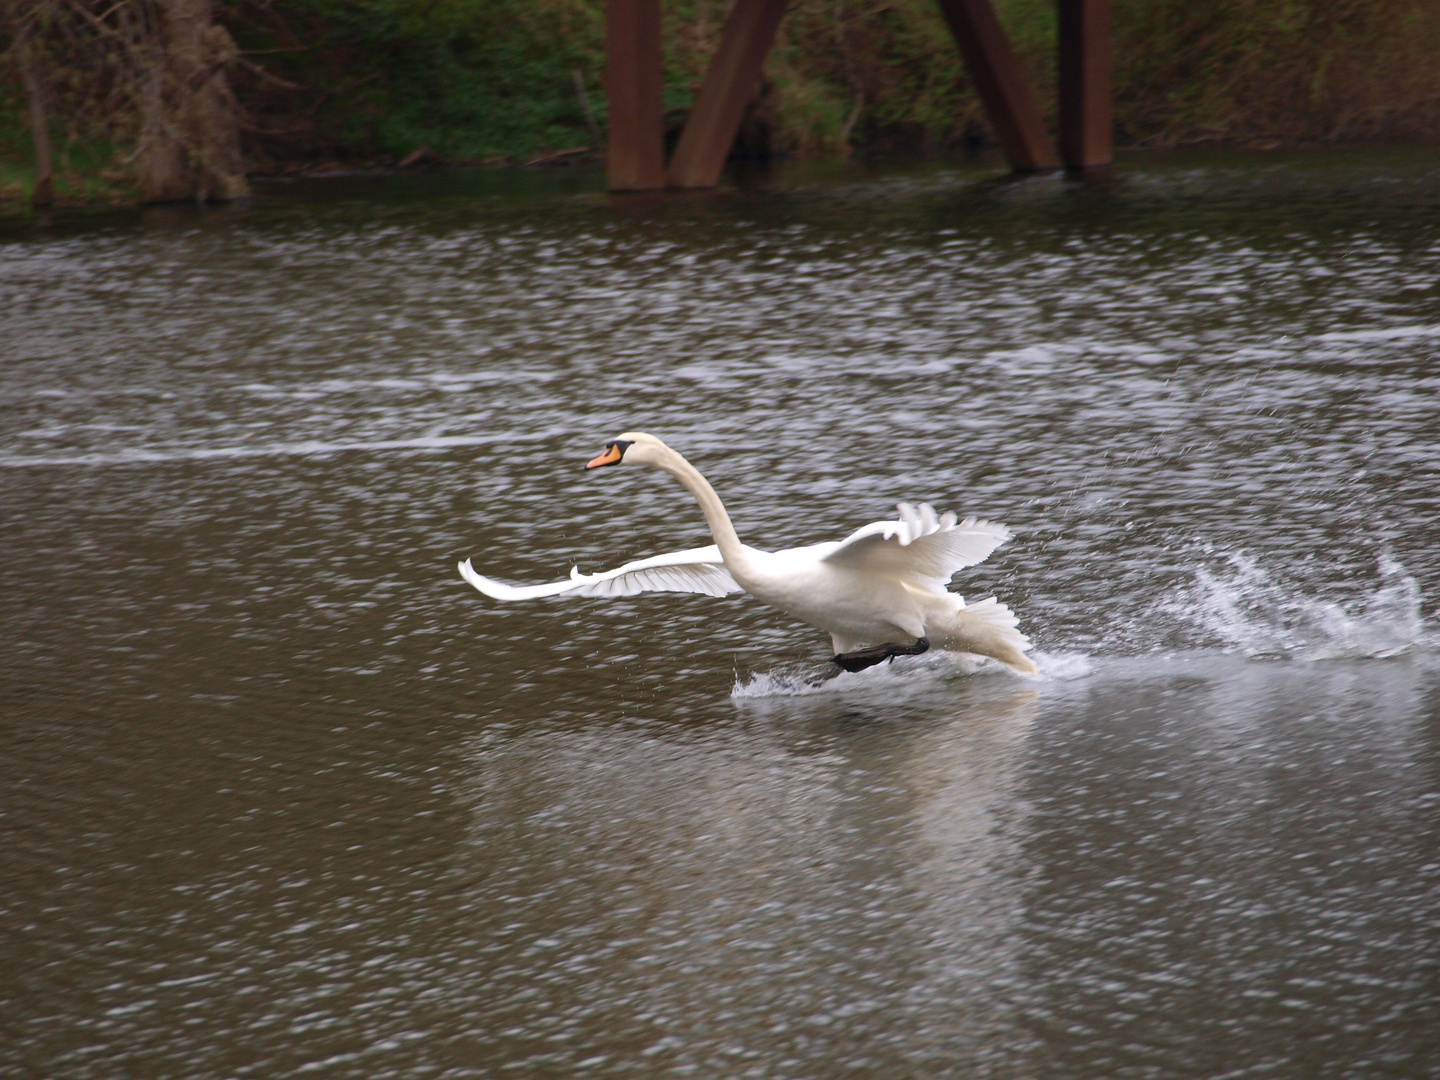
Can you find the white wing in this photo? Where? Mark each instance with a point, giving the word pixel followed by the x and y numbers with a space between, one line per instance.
pixel 696 570
pixel 920 545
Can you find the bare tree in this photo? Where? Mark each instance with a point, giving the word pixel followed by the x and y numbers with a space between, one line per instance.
pixel 27 26
pixel 150 73
pixel 189 134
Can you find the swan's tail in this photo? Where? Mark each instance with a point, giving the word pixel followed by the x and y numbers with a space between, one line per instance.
pixel 986 627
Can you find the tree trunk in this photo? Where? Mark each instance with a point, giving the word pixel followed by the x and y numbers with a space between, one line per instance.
pixel 32 74
pixel 189 135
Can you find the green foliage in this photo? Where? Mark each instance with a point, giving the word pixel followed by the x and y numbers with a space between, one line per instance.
pixel 14 136
pixel 468 78
pixel 486 78
pixel 83 164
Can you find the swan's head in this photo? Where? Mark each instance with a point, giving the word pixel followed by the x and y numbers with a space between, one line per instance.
pixel 633 448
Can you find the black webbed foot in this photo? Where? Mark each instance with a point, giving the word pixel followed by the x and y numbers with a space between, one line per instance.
pixel 860 659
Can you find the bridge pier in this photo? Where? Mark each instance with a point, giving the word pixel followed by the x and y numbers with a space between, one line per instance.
pixel 635 152
pixel 1087 111
pixel 1006 95
pixel 734 72
pixel 636 158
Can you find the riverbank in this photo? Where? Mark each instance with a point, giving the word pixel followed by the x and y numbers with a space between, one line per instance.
pixel 330 87
pixel 1161 180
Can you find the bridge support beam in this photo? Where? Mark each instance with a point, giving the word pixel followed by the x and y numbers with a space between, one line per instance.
pixel 1001 84
pixel 1087 111
pixel 635 153
pixel 734 72
pixel 636 156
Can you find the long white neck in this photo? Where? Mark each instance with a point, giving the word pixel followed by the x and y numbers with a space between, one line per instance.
pixel 721 528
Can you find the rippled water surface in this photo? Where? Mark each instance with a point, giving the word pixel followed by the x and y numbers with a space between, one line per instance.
pixel 280 794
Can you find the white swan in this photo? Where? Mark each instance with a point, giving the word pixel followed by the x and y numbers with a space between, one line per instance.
pixel 879 593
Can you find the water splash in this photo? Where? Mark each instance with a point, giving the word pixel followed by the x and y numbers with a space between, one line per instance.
pixel 902 677
pixel 1063 666
pixel 1265 618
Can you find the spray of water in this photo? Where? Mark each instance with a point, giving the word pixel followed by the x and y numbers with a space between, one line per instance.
pixel 1244 606
pixel 903 678
pixel 1267 618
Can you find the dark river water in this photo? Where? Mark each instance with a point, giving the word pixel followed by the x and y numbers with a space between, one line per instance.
pixel 281 795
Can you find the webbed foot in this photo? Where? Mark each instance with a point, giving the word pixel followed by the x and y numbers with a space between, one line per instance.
pixel 860 659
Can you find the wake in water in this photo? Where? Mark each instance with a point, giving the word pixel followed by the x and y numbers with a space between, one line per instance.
pixel 1264 618
pixel 901 678
pixel 802 679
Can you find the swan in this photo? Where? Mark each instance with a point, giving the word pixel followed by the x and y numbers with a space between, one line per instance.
pixel 879 593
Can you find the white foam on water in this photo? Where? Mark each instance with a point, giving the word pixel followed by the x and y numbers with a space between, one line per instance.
pixel 902 678
pixel 1062 666
pixel 1265 618
pixel 1391 333
pixel 302 448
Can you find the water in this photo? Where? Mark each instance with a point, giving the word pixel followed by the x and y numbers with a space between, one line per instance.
pixel 281 795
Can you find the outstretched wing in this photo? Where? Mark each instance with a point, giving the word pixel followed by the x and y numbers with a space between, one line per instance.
pixel 697 570
pixel 920 545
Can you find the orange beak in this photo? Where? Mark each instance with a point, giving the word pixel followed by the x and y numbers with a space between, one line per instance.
pixel 611 456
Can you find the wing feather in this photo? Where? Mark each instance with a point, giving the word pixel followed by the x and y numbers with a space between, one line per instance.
pixel 922 544
pixel 695 570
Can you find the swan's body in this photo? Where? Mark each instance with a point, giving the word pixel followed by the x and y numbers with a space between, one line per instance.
pixel 880 592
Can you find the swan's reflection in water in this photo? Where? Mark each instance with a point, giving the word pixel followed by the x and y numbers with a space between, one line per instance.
pixel 966 776
pixel 803 888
